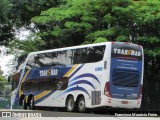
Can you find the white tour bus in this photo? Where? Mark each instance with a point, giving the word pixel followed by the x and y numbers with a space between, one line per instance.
pixel 108 74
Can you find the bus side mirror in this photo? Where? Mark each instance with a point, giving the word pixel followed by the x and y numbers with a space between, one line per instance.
pixel 27 67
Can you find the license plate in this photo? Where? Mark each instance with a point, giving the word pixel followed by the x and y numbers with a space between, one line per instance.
pixel 124 102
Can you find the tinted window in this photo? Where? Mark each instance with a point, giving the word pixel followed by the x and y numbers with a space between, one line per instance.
pixel 67 57
pixel 47 59
pixel 45 84
pixel 125 78
pixel 64 57
pixel 31 62
pixel 88 55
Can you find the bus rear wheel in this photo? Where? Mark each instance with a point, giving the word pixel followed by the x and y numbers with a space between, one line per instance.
pixel 81 104
pixel 70 104
pixel 31 104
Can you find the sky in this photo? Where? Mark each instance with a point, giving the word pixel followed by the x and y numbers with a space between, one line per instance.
pixel 4 60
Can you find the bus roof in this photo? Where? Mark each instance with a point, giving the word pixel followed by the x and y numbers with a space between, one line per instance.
pixel 74 47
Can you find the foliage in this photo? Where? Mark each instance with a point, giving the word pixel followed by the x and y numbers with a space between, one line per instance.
pixel 15 14
pixel 24 10
pixel 31 44
pixel 5 7
pixel 5 89
pixel 2 78
pixel 5 23
pixel 100 39
pixel 2 83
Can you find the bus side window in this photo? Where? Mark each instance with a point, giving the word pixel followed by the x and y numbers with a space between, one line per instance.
pixel 46 59
pixel 79 56
pixel 76 57
pixel 95 54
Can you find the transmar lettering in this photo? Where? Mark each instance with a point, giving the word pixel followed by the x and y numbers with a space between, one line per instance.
pixel 127 52
pixel 48 72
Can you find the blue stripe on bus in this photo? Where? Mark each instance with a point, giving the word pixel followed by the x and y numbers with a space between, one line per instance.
pixel 76 71
pixel 34 92
pixel 78 88
pixel 72 89
pixel 34 73
pixel 31 73
pixel 82 82
pixel 85 75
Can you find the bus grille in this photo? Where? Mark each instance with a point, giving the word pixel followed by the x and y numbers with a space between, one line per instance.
pixel 125 78
pixel 96 97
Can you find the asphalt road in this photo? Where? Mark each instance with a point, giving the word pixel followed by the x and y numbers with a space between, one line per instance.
pixel 70 114
pixel 56 113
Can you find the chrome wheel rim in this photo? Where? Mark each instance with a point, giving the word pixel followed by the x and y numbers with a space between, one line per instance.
pixel 82 105
pixel 31 103
pixel 70 104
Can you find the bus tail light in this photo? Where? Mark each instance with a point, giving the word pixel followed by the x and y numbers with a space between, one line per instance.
pixel 107 90
pixel 140 94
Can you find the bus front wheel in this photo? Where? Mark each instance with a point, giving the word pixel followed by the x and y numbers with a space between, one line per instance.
pixel 81 104
pixel 70 104
pixel 24 104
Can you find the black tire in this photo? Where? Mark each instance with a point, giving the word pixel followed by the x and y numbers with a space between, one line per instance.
pixel 31 104
pixel 81 105
pixel 24 103
pixel 70 104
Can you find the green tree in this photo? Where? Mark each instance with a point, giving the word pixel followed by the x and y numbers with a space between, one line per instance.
pixel 31 44
pixel 15 14
pixel 24 10
pixel 2 83
pixel 5 23
pixel 74 22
